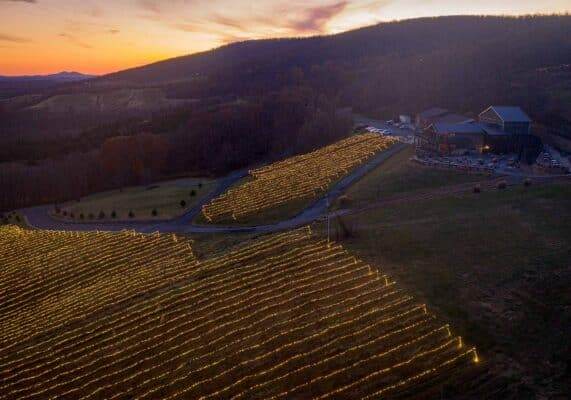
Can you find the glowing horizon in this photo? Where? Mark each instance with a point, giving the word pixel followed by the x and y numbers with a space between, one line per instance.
pixel 50 36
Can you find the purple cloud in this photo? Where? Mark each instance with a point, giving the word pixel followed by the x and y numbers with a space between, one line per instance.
pixel 315 19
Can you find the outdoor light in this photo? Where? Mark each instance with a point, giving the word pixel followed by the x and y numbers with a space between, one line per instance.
pixel 249 309
pixel 304 176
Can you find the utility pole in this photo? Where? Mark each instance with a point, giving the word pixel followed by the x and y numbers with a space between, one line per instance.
pixel 328 222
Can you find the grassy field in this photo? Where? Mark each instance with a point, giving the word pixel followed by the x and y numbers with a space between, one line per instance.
pixel 13 218
pixel 165 197
pixel 398 175
pixel 108 102
pixel 496 264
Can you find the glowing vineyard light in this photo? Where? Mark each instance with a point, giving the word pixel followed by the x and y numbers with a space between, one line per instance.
pixel 298 177
pixel 266 315
pixel 476 358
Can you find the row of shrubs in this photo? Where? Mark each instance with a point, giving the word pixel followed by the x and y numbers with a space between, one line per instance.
pixel 5 219
pixel 101 214
pixel 502 185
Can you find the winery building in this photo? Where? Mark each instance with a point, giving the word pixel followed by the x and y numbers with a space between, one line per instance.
pixel 511 120
pixel 498 130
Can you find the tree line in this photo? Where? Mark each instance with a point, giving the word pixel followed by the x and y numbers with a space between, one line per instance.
pixel 205 142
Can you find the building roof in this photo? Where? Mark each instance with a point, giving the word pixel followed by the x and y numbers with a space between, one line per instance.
pixel 433 112
pixel 452 119
pixel 443 127
pixel 492 131
pixel 510 114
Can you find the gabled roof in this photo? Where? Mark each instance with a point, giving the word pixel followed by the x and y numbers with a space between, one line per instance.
pixel 433 112
pixel 492 130
pixel 442 127
pixel 509 114
pixel 453 119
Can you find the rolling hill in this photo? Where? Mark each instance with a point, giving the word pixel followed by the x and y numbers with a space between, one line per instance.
pixel 460 62
pixel 262 100
pixel 11 86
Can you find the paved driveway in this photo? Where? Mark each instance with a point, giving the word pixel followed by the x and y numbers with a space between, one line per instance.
pixel 38 216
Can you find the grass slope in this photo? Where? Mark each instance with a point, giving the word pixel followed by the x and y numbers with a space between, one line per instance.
pixel 165 197
pixel 398 175
pixel 495 264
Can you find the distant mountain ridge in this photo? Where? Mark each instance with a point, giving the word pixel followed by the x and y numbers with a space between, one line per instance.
pixel 12 86
pixel 64 76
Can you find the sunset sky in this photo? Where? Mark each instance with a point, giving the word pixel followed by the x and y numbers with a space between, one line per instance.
pixel 46 36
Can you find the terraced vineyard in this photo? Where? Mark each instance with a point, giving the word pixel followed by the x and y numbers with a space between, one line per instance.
pixel 295 178
pixel 285 316
pixel 48 279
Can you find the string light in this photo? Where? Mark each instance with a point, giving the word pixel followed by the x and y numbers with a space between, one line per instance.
pixel 215 267
pixel 277 309
pixel 299 177
pixel 420 375
pixel 151 339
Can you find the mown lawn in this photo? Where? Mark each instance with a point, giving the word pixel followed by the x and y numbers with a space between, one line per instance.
pixel 497 265
pixel 14 218
pixel 398 175
pixel 165 197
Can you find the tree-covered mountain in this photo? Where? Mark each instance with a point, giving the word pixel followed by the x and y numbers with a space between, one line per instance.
pixel 461 62
pixel 256 101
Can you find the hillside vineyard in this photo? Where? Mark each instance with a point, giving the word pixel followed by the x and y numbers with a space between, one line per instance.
pixel 285 316
pixel 49 279
pixel 295 178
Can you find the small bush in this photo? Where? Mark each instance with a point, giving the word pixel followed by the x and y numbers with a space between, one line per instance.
pixel 192 193
pixel 81 216
pixel 101 215
pixel 477 189
pixel 64 213
pixel 91 216
pixel 200 185
pixel 502 185
pixel 154 213
pixel 72 215
pixel 527 182
pixel 183 203
pixel 131 214
pixel 345 201
pixel 113 214
pixel 17 218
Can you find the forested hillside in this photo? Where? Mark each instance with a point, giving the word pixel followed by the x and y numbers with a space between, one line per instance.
pixel 257 101
pixel 460 62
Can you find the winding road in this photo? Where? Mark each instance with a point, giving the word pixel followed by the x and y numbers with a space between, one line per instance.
pixel 38 216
